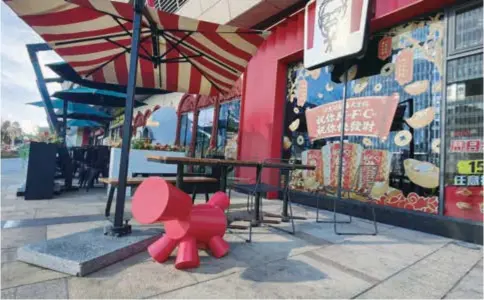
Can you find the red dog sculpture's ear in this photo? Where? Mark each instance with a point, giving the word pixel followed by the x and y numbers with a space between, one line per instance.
pixel 220 200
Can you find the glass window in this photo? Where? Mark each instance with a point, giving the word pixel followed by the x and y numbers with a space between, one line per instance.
pixel 204 131
pixel 186 129
pixel 228 128
pixel 468 29
pixel 398 86
pixel 464 168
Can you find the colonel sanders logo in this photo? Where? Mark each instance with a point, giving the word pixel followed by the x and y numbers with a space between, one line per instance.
pixel 331 17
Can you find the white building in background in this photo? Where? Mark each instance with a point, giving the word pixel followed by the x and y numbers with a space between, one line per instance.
pixel 166 102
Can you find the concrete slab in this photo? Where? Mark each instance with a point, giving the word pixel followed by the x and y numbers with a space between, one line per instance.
pixel 430 277
pixel 8 293
pixel 470 287
pixel 85 252
pixel 17 237
pixel 18 273
pixel 131 278
pixel 55 231
pixel 9 255
pixel 52 289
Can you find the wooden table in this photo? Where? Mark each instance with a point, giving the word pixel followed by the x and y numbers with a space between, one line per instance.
pixel 224 164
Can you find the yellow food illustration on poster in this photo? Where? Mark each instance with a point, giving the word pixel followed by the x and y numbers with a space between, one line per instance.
pixel 422 173
pixel 421 118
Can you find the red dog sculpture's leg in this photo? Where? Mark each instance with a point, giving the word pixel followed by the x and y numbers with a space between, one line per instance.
pixel 218 246
pixel 187 256
pixel 162 248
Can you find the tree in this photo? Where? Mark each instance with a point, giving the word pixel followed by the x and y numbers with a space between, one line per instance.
pixel 5 137
pixel 14 132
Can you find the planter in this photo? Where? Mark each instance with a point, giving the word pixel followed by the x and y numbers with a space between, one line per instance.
pixel 139 164
pixel 41 171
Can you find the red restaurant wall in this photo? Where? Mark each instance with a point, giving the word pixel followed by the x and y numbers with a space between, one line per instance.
pixel 263 97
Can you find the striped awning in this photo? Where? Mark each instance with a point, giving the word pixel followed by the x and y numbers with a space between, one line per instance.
pixel 176 53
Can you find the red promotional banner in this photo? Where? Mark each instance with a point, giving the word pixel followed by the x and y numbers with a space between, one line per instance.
pixel 365 116
pixel 466 146
pixel 404 67
pixel 385 48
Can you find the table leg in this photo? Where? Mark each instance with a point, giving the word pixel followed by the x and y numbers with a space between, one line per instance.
pixel 285 217
pixel 107 211
pixel 256 220
pixel 223 178
pixel 179 176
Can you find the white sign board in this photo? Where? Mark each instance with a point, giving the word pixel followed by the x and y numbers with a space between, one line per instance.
pixel 334 30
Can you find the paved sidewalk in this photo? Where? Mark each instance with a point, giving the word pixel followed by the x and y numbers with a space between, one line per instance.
pixel 315 263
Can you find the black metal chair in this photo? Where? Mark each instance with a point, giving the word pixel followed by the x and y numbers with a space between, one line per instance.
pixel 362 185
pixel 264 188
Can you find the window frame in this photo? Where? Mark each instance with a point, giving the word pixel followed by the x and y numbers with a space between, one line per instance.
pixel 451 30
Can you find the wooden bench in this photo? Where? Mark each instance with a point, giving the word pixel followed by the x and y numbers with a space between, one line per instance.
pixel 136 181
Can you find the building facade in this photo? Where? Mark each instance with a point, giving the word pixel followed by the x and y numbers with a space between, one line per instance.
pixel 428 171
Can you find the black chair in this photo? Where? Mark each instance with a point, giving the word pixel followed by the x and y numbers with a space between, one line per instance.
pixel 362 185
pixel 264 188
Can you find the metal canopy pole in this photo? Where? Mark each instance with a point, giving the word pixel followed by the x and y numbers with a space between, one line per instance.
pixel 118 228
pixel 32 49
pixel 64 119
pixel 341 141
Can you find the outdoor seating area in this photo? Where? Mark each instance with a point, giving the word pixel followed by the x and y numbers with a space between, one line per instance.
pixel 313 263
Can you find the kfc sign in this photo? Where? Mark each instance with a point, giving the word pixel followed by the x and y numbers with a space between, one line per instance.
pixel 334 30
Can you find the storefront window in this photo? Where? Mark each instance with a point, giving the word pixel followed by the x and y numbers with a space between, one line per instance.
pixel 228 128
pixel 204 131
pixel 468 28
pixel 398 87
pixel 464 169
pixel 186 129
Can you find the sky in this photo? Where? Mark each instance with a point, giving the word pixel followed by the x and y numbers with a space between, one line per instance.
pixel 18 82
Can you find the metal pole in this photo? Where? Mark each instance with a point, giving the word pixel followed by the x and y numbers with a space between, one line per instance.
pixel 32 49
pixel 64 119
pixel 118 228
pixel 341 141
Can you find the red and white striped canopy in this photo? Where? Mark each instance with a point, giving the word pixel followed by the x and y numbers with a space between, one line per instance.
pixel 176 53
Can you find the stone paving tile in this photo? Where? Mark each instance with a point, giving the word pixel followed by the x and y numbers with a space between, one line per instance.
pixel 17 237
pixel 430 277
pixel 8 293
pixel 52 289
pixel 9 255
pixel 228 287
pixel 470 287
pixel 55 231
pixel 131 278
pixel 67 211
pixel 371 261
pixel 271 244
pixel 296 277
pixel 417 236
pixel 18 273
pixel 18 214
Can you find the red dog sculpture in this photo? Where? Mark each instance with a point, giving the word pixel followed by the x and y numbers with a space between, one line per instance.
pixel 189 227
